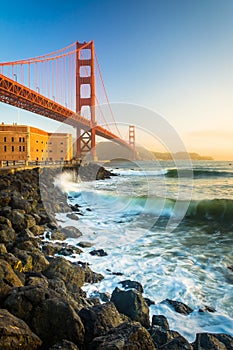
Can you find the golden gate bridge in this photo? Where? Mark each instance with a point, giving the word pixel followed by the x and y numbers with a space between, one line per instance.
pixel 61 85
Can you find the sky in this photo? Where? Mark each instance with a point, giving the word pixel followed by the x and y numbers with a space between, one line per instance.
pixel 171 57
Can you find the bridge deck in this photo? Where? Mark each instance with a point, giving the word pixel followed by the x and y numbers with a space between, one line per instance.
pixel 18 95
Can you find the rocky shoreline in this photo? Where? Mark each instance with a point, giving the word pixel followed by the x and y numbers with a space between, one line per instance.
pixel 42 304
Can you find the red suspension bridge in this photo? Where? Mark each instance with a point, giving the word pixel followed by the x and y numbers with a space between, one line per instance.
pixel 62 86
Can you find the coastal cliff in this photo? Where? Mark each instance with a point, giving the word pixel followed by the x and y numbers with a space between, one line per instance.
pixel 42 304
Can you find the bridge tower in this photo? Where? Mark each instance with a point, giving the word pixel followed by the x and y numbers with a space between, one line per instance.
pixel 85 75
pixel 132 140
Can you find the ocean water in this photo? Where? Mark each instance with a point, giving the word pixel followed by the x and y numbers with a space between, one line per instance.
pixel 168 226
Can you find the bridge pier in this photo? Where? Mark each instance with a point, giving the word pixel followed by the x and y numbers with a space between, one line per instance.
pixel 86 143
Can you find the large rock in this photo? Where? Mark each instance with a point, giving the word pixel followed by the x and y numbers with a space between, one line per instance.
pixel 99 319
pixel 22 301
pixel 161 321
pixel 127 336
pixel 7 235
pixel 15 333
pixel 178 343
pixel 71 232
pixel 128 284
pixel 73 275
pixel 179 306
pixel 8 279
pixel 32 258
pixel 207 341
pixel 54 320
pixel 132 304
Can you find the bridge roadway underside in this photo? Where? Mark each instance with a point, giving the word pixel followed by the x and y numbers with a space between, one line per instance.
pixel 15 94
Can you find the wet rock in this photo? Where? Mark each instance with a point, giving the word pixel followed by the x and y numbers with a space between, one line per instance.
pixel 57 235
pixel 115 273
pixel 90 276
pixel 64 345
pixel 206 308
pixel 59 317
pixel 98 319
pixel 160 336
pixel 132 284
pixel 179 307
pixel 69 250
pixel 105 297
pixel 50 248
pixel 99 252
pixel 15 333
pixel 149 301
pixel 85 244
pixel 230 267
pixel 72 216
pixel 129 335
pixel 72 274
pixel 207 341
pixel 178 343
pixel 161 321
pixel 132 304
pixel 71 232
pixel 8 279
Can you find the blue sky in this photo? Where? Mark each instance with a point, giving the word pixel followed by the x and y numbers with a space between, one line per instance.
pixel 172 56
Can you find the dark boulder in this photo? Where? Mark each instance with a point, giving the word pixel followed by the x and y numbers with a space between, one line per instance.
pixel 15 333
pixel 98 252
pixel 22 301
pixel 207 341
pixel 178 343
pixel 7 235
pixel 132 304
pixel 179 307
pixel 99 319
pixel 128 284
pixel 161 321
pixel 127 336
pixel 72 274
pixel 54 320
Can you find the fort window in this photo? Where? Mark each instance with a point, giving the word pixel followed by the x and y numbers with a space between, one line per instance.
pixel 61 143
pixel 13 148
pixel 23 139
pixel 5 139
pixel 20 139
pixel 12 139
pixel 4 148
pixel 23 148
pixel 20 148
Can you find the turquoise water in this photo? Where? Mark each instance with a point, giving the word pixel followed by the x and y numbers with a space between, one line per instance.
pixel 170 230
